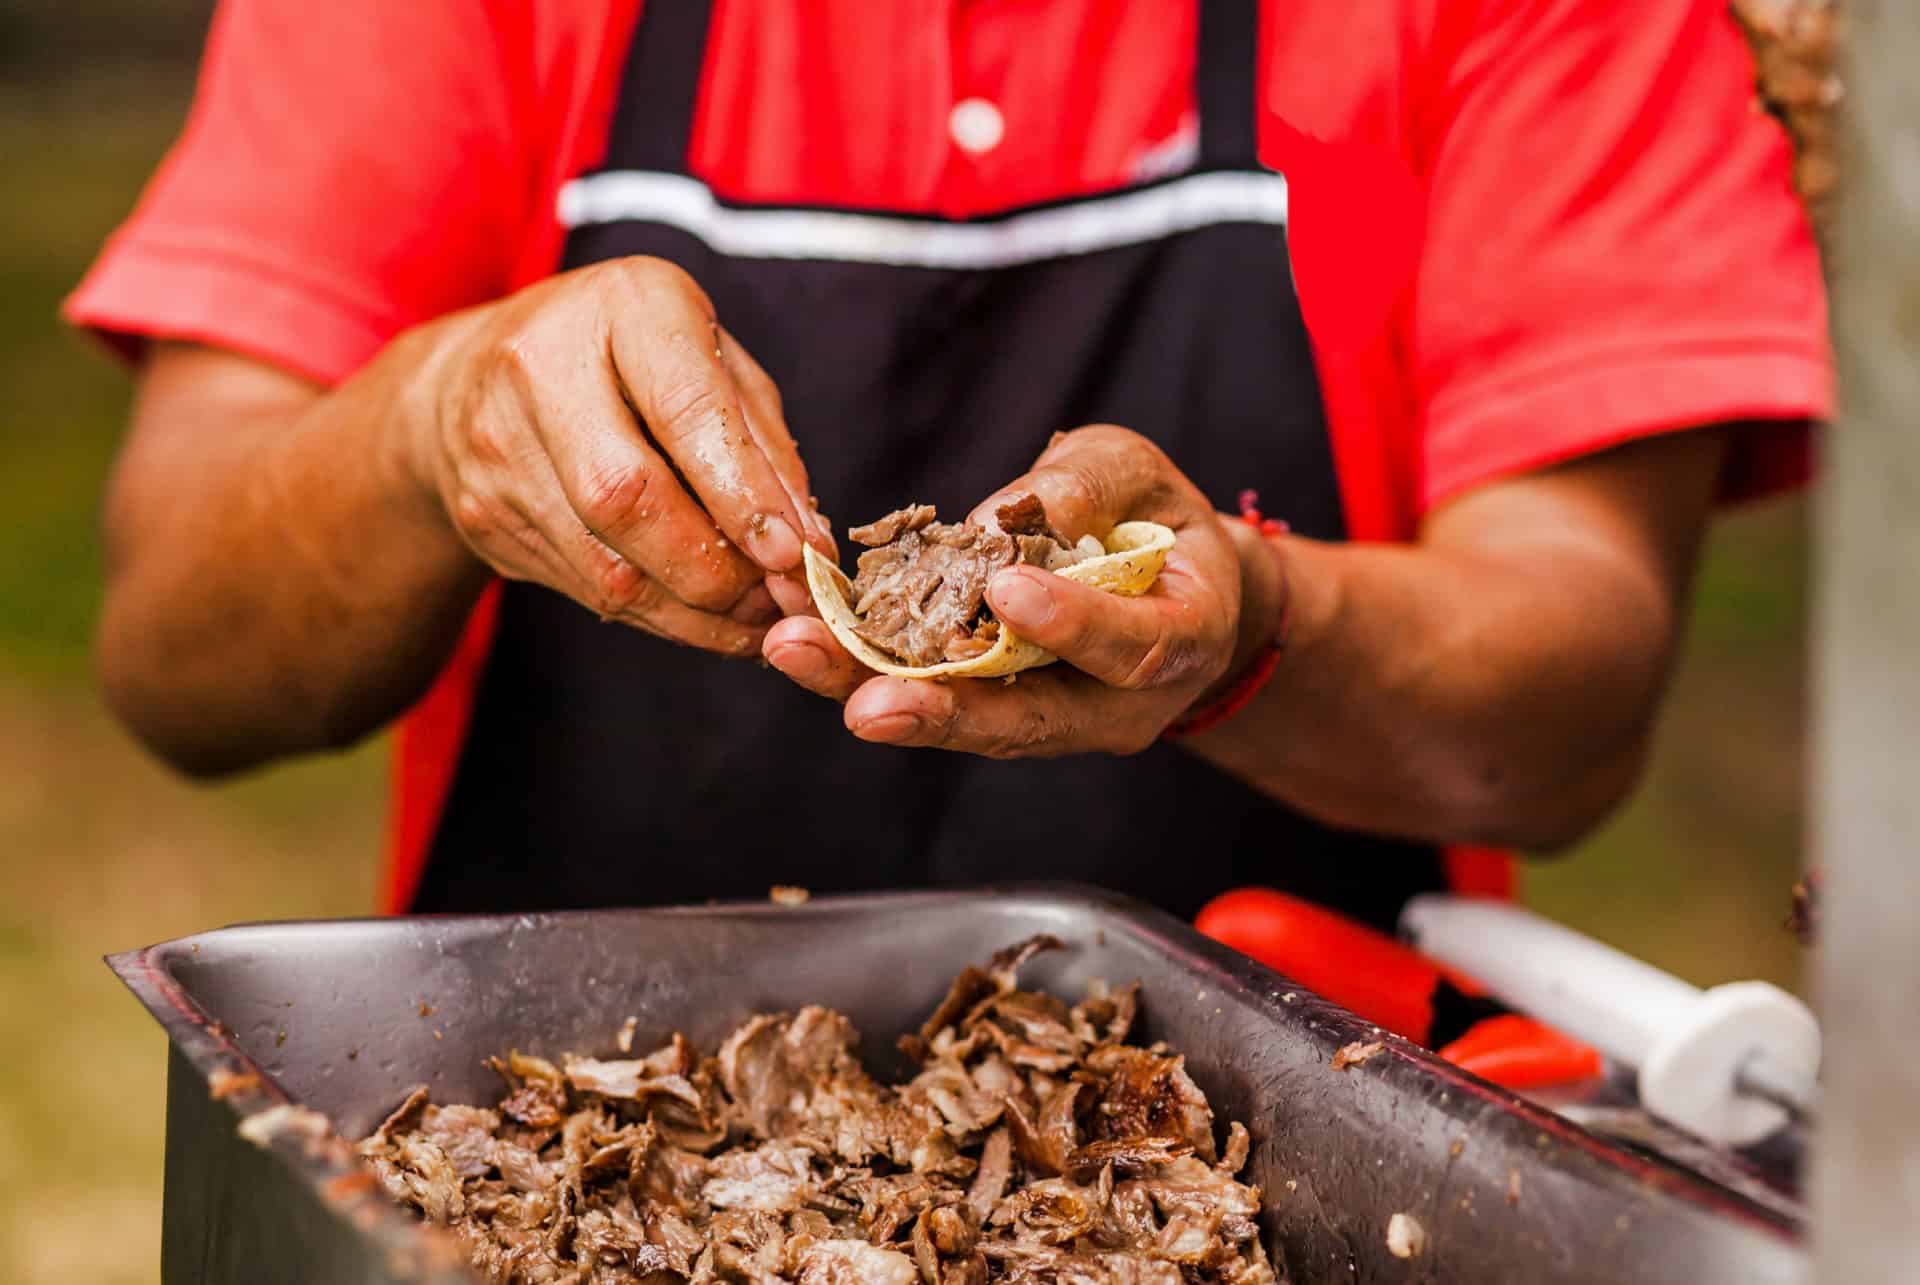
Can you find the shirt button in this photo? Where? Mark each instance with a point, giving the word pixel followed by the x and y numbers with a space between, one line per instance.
pixel 976 125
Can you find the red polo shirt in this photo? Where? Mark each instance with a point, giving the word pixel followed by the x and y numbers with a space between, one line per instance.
pixel 1523 230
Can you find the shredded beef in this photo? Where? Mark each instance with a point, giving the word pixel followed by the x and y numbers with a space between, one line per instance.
pixel 1032 1145
pixel 921 588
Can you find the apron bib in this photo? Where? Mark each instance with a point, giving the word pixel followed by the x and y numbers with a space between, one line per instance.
pixel 922 360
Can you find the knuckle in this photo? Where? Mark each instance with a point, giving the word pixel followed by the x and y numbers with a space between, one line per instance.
pixel 1029 736
pixel 683 404
pixel 704 588
pixel 1160 662
pixel 613 500
pixel 652 272
pixel 1115 436
pixel 498 533
pixel 1076 476
pixel 520 356
pixel 474 516
pixel 646 280
pixel 489 440
pixel 618 588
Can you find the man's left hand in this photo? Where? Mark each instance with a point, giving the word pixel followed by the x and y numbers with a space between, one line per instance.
pixel 1131 666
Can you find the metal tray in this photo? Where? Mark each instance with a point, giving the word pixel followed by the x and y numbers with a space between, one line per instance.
pixel 344 1016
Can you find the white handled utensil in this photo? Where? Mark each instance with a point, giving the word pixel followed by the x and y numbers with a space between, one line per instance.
pixel 1730 1064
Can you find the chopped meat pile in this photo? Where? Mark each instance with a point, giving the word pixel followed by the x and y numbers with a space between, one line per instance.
pixel 921 590
pixel 1033 1145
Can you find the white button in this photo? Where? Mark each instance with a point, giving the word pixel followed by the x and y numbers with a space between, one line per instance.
pixel 976 125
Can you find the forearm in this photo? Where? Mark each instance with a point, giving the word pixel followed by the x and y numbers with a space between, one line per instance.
pixel 1420 695
pixel 1496 682
pixel 277 581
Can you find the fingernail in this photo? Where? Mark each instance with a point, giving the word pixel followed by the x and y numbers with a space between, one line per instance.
pixel 772 543
pixel 891 729
pixel 799 660
pixel 755 606
pixel 1020 599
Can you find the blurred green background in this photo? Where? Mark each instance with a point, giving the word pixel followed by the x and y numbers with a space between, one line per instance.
pixel 103 850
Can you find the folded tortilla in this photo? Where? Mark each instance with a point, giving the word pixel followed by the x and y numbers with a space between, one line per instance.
pixel 1135 553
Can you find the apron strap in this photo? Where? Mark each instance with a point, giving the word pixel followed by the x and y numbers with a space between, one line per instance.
pixel 653 123
pixel 1226 85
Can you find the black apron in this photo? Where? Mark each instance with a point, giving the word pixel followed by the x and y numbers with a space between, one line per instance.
pixel 604 766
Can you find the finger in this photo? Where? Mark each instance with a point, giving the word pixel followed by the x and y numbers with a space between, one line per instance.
pixel 1044 715
pixel 1093 478
pixel 766 419
pixel 791 592
pixel 806 651
pixel 1131 643
pixel 623 492
pixel 521 546
pixel 674 372
pixel 541 518
pixel 659 613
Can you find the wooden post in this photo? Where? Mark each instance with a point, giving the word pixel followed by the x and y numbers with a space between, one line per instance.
pixel 1866 782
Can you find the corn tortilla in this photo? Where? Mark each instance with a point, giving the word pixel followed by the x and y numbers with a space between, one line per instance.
pixel 1135 553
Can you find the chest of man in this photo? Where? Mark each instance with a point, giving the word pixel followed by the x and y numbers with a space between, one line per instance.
pixel 960 108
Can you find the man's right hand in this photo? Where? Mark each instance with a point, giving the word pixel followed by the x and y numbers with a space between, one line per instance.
pixel 289 565
pixel 601 434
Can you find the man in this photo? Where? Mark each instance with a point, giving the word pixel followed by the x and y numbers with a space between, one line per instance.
pixel 596 296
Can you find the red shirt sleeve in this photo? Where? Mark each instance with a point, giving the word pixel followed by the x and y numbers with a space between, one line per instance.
pixel 1612 247
pixel 348 169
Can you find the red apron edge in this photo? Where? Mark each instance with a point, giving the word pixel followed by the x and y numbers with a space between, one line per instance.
pixel 426 751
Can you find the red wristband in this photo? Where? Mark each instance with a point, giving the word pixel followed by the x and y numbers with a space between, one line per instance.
pixel 1260 669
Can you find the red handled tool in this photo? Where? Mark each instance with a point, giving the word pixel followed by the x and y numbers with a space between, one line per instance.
pixel 1396 988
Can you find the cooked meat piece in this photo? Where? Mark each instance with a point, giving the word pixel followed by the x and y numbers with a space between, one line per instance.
pixel 1044 1146
pixel 963 1105
pixel 951 1231
pixel 1025 515
pixel 772 1179
pixel 1127 1156
pixel 1030 1264
pixel 1031 1145
pixel 1104 1018
pixel 402 1115
pixel 920 591
pixel 1234 1158
pixel 1149 1094
pixel 631 1080
pixel 521 1169
pixel 1355 1054
pixel 892 526
pixel 991 1178
pixel 1007 962
pixel 969 988
pixel 855 1262
pixel 771 1073
pixel 539 1096
pixel 668 1178
pixel 464 1135
pixel 921 594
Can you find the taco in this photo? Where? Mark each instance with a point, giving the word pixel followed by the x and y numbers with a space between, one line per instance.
pixel 917 606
